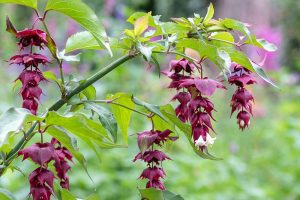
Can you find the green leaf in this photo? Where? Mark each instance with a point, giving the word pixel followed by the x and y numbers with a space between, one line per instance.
pixel 51 46
pixel 81 126
pixel 262 74
pixel 82 40
pixel 154 194
pixel 146 51
pixel 83 15
pixel 212 51
pixel 226 60
pixel 29 3
pixel 169 113
pixel 236 25
pixel 225 36
pixel 10 27
pixel 141 24
pixel 106 118
pixel 70 58
pixel 121 114
pixel 6 195
pixel 261 43
pixel 11 122
pixel 209 15
pixel 90 92
pixel 67 195
pixel 150 107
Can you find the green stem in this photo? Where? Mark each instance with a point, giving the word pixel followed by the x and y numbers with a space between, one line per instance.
pixel 30 133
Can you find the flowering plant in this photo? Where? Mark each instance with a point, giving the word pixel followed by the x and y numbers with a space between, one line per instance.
pixel 214 40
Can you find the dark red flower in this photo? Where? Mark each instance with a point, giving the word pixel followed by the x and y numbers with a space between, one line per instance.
pixel 182 64
pixel 201 102
pixel 243 119
pixel 40 153
pixel 31 93
pixel 152 173
pixel 29 60
pixel 241 99
pixel 241 80
pixel 155 184
pixel 41 184
pixel 31 78
pixel 205 86
pixel 31 105
pixel 152 156
pixel 147 138
pixel 34 37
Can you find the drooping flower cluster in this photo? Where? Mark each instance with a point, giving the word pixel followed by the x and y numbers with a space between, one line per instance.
pixel 31 76
pixel 41 179
pixel 192 94
pixel 154 158
pixel 242 99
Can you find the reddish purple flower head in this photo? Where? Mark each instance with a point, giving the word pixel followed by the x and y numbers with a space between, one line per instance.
pixel 29 60
pixel 243 119
pixel 40 153
pixel 182 64
pixel 148 138
pixel 205 86
pixel 41 184
pixel 34 37
pixel 241 99
pixel 152 156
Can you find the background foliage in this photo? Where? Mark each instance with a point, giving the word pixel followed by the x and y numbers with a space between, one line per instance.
pixel 261 163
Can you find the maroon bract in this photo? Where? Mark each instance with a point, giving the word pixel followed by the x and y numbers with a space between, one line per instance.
pixel 61 155
pixel 30 90
pixel 242 99
pixel 182 64
pixel 40 153
pixel 153 158
pixel 41 184
pixel 243 119
pixel 34 37
pixel 29 60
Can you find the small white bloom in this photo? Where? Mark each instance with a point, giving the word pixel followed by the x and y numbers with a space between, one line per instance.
pixel 209 141
pixel 200 142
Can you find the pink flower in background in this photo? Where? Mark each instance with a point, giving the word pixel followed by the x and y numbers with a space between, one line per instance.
pixel 271 59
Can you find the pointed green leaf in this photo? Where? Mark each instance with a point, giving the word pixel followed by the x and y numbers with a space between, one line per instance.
pixel 150 107
pixel 262 43
pixel 141 24
pixel 29 3
pixel 146 51
pixel 69 58
pixel 83 15
pixel 236 25
pixel 10 27
pixel 106 118
pixel 82 127
pixel 154 194
pixel 262 74
pixel 209 15
pixel 82 40
pixel 121 114
pixel 12 121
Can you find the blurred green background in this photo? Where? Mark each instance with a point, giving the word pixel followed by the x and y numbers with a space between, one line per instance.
pixel 260 163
